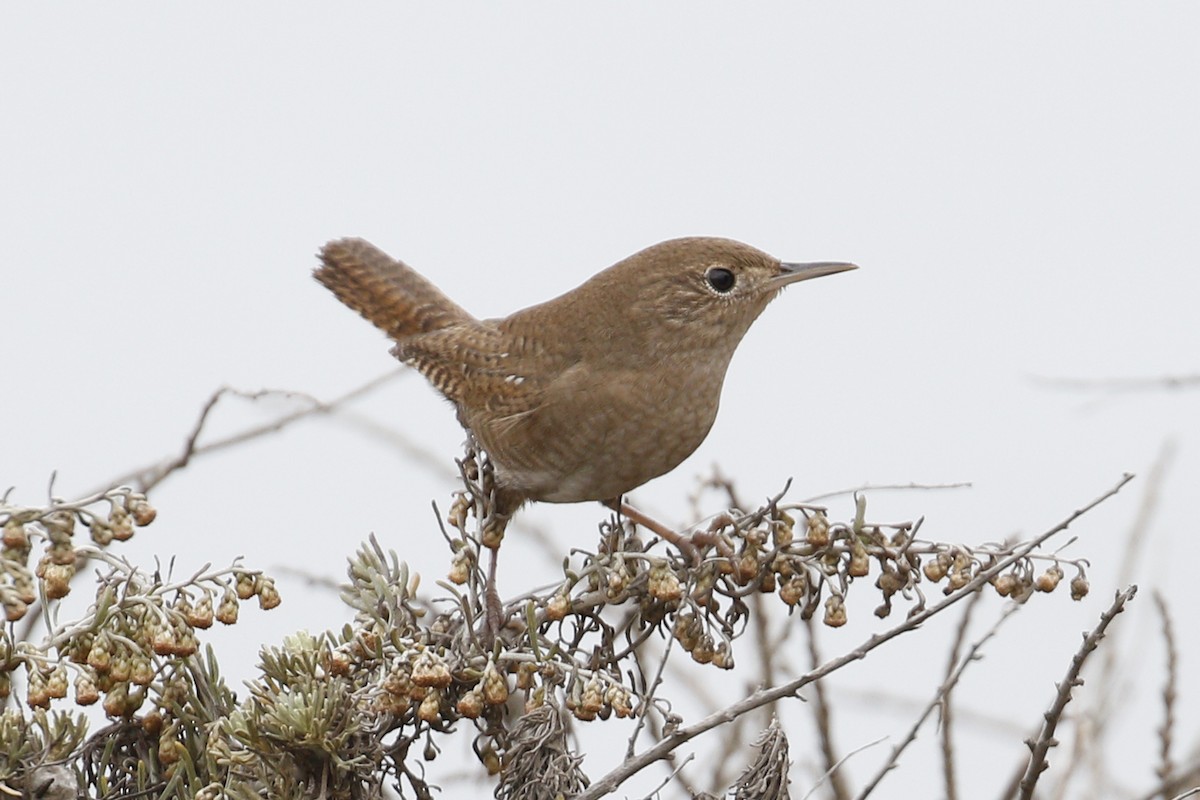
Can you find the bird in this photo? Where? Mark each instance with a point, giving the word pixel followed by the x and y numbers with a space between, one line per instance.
pixel 589 395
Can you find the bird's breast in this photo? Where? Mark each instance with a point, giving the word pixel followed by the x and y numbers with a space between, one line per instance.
pixel 597 432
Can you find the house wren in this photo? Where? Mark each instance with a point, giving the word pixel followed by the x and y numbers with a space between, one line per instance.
pixel 591 394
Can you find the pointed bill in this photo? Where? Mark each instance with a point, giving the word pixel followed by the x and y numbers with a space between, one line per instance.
pixel 793 273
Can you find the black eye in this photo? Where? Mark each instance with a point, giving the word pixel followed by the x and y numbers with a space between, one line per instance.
pixel 720 279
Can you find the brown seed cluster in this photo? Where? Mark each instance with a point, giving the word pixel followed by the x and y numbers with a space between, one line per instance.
pixel 794 552
pixel 23 529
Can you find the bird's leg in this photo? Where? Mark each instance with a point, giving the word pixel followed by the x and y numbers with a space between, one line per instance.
pixel 491 600
pixel 688 544
pixel 682 541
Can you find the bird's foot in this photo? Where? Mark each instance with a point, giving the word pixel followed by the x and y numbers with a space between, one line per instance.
pixel 493 609
pixel 690 545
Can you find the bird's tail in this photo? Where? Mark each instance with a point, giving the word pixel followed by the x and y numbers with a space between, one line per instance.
pixel 388 293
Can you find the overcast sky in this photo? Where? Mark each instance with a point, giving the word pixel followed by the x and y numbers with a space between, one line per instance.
pixel 1019 182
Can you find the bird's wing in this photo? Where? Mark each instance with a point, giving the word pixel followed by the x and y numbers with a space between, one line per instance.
pixel 478 359
pixel 388 293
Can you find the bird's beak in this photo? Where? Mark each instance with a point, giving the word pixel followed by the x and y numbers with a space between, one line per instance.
pixel 793 273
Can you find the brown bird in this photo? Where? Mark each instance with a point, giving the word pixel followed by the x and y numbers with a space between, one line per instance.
pixel 591 394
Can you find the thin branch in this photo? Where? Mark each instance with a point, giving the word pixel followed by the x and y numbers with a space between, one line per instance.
pixel 766 695
pixel 151 475
pixel 1166 770
pixel 1040 748
pixel 822 716
pixel 887 487
pixel 1108 692
pixel 840 762
pixel 939 699
pixel 947 707
pixel 1115 385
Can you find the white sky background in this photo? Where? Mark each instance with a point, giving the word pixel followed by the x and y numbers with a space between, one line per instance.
pixel 1019 182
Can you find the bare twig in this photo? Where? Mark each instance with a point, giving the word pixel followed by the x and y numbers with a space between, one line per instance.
pixel 939 699
pixel 1166 770
pixel 838 765
pixel 1108 691
pixel 151 475
pixel 766 695
pixel 884 487
pixel 823 718
pixel 947 707
pixel 1040 748
pixel 1115 385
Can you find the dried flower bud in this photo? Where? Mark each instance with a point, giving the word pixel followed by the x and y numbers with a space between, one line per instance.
pixel 664 583
pixel 792 590
pixel 168 745
pixel 457 517
pixel 246 585
pixel 61 553
pixel 1079 587
pixel 582 715
pixel 460 566
pixel 14 535
pixel 783 530
pixel 495 685
pixel 470 466
pixel 1048 580
pixel 703 652
pixel 860 564
pixel 686 631
pixel 101 532
pixel 99 657
pixel 338 664
pixel 227 611
pixel 723 656
pixel 934 569
pixel 493 533
pixel 399 680
pixel 470 705
pixel 958 579
pixel 56 580
pixel 36 693
pixel 526 672
pixel 22 583
pixel 60 525
pixel 152 723
pixel 705 578
pixel 120 523
pixel 163 641
pixel 618 698
pixel 116 701
pixel 889 581
pixel 1005 584
pixel 592 700
pixel 56 684
pixel 430 707
pixel 835 611
pixel 201 615
pixel 86 693
pixel 818 531
pixel 122 665
pixel 430 670
pixel 558 606
pixel 746 567
pixel 141 669
pixel 618 578
pixel 143 513
pixel 268 595
pixel 14 607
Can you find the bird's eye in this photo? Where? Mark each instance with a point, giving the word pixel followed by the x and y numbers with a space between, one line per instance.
pixel 720 279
